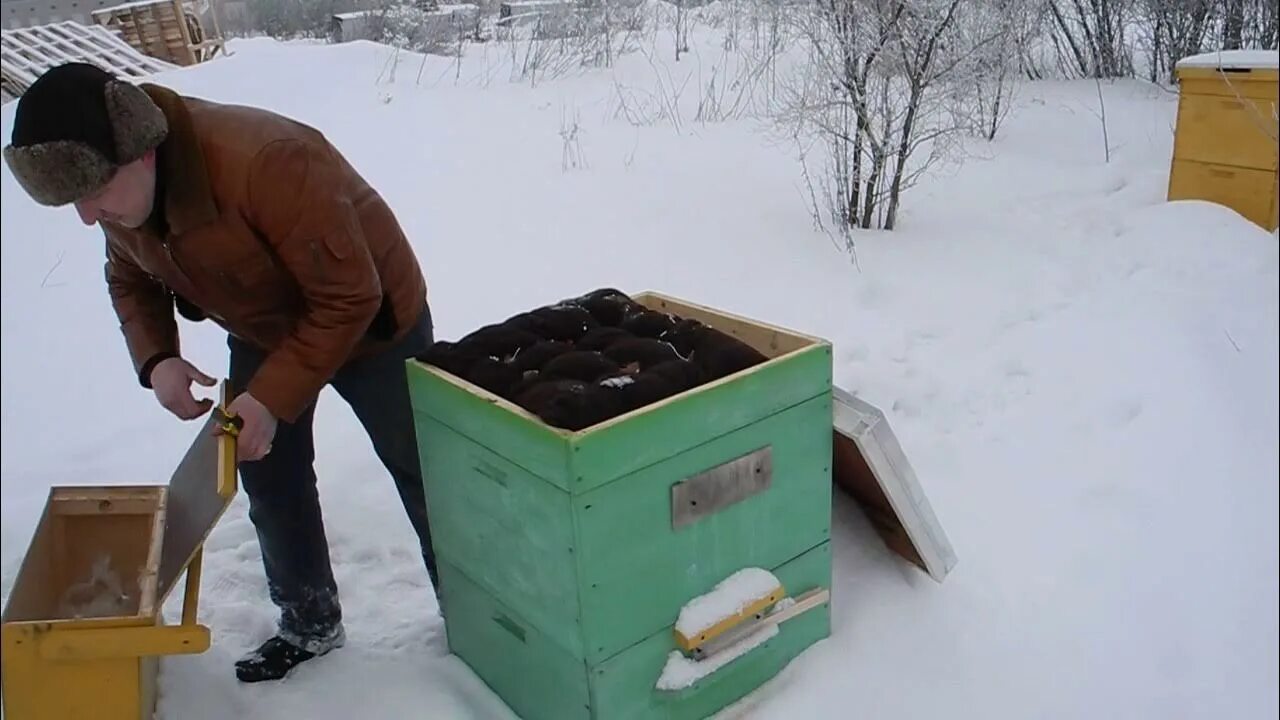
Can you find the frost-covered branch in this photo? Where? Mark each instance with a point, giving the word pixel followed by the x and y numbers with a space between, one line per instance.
pixel 875 93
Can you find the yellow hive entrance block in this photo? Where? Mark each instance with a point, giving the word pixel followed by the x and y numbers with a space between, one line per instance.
pixel 745 595
pixel 1225 143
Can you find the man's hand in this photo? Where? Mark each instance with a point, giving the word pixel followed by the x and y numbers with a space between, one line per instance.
pixel 254 440
pixel 171 380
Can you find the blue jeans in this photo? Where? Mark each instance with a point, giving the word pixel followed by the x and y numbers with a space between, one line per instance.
pixel 284 506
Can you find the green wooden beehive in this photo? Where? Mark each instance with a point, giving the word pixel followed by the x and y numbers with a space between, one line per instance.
pixel 565 557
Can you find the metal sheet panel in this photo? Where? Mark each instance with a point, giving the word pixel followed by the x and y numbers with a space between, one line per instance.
pixel 194 502
pixel 710 491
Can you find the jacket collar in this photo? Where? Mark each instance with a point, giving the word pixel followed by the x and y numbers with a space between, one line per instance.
pixel 188 197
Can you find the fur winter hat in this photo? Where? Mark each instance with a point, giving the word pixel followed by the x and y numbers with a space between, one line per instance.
pixel 74 127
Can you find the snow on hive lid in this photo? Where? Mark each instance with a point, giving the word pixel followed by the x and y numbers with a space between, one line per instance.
pixel 1232 59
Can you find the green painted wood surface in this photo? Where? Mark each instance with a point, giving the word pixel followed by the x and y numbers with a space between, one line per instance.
pixel 533 445
pixel 511 530
pixel 637 572
pixel 615 449
pixel 623 688
pixel 538 680
pixel 532 674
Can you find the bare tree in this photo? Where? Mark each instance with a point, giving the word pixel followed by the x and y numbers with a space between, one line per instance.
pixel 985 97
pixel 609 29
pixel 1032 42
pixel 1089 37
pixel 1233 24
pixel 644 107
pixel 872 94
pixel 734 80
pixel 550 39
pixel 571 155
pixel 419 27
pixel 681 27
pixel 1102 118
pixel 1170 30
pixel 1258 22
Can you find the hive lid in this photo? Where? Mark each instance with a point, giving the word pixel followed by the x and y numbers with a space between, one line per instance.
pixel 870 465
pixel 1232 60
pixel 194 504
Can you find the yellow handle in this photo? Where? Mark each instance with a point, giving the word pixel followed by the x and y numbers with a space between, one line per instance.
pixel 191 594
pixel 226 452
pixel 124 642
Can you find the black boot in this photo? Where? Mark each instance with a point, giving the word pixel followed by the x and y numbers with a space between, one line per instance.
pixel 273 660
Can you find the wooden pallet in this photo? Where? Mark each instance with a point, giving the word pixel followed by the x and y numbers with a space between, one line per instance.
pixel 26 53
pixel 167 29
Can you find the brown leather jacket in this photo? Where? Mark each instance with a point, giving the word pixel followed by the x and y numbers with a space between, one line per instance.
pixel 269 232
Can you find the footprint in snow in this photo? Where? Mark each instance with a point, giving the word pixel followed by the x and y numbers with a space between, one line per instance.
pixel 1111 496
pixel 243 622
pixel 907 407
pixel 855 354
pixel 1017 378
pixel 248 551
pixel 232 533
pixel 871 295
pixel 367 556
pixel 236 583
pixel 401 552
pixel 1028 315
pixel 438 639
pixel 1126 411
pixel 1016 370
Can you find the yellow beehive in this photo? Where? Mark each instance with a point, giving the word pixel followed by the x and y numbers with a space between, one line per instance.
pixel 82 628
pixel 1225 142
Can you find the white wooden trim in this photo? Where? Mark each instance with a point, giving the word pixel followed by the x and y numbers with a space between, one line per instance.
pixel 867 427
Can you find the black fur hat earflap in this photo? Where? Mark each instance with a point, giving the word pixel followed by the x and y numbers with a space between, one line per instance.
pixel 74 126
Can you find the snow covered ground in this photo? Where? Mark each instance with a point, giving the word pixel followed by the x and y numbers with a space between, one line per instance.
pixel 1084 376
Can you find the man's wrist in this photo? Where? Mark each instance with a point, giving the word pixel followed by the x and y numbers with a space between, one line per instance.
pixel 144 373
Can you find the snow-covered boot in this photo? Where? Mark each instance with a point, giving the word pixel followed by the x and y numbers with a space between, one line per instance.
pixel 276 657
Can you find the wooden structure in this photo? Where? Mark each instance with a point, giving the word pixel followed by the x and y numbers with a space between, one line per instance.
pixel 566 557
pixel 1225 143
pixel 871 466
pixel 441 25
pixel 26 53
pixel 546 19
pixel 171 30
pixel 82 628
pixel 349 26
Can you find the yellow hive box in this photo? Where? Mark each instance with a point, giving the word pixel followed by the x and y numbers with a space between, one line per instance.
pixel 1225 142
pixel 82 627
